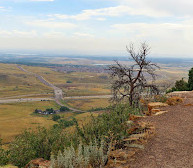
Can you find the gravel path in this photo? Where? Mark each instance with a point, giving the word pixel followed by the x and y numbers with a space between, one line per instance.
pixel 172 146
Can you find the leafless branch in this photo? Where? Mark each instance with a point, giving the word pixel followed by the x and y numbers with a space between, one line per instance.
pixel 132 81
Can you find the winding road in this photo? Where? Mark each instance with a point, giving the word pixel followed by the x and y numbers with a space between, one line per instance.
pixel 58 93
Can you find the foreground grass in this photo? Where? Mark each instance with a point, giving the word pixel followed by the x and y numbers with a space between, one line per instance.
pixel 8 166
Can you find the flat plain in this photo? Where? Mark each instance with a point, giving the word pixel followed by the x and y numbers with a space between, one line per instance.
pixel 14 83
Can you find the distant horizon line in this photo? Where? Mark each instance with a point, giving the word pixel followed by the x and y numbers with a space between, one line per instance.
pixel 93 56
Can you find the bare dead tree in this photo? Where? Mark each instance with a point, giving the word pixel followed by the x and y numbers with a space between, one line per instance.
pixel 130 82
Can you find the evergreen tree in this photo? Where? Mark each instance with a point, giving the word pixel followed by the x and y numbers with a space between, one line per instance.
pixel 181 85
pixel 190 80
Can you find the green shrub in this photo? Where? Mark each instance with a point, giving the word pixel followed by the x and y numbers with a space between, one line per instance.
pixel 63 109
pixel 98 109
pixel 180 85
pixel 51 110
pixel 55 117
pixel 36 144
pixel 64 124
pixel 190 79
pixel 36 111
pixel 105 128
pixel 92 154
pixel 68 81
pixel 109 124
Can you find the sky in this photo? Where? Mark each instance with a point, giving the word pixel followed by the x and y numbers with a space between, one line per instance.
pixel 97 27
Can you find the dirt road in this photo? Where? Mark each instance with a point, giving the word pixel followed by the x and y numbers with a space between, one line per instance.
pixel 172 146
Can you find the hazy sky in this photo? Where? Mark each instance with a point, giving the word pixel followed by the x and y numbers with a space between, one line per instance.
pixel 97 26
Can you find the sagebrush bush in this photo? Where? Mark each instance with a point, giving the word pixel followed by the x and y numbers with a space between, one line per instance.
pixel 86 155
pixel 109 124
pixel 36 144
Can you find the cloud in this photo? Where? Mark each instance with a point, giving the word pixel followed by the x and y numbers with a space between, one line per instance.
pixel 17 33
pixel 42 0
pixel 113 12
pixel 101 19
pixel 165 24
pixel 54 35
pixel 3 9
pixel 31 0
pixel 170 38
pixel 83 34
pixel 51 24
pixel 149 26
pixel 179 8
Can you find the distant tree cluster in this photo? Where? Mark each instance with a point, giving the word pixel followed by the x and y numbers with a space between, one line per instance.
pixel 51 110
pixel 182 85
pixel 64 108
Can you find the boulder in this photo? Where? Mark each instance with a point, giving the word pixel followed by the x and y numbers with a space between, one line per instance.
pixel 133 117
pixel 153 107
pixel 182 94
pixel 174 101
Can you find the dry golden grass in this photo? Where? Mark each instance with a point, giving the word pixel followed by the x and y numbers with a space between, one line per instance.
pixel 88 104
pixel 174 100
pixel 15 82
pixel 83 83
pixel 85 89
pixel 14 118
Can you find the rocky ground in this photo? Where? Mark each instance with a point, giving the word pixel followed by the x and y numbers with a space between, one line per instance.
pixel 172 145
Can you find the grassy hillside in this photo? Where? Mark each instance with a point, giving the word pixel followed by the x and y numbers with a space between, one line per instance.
pixel 14 82
pixel 75 83
pixel 17 117
pixel 14 118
